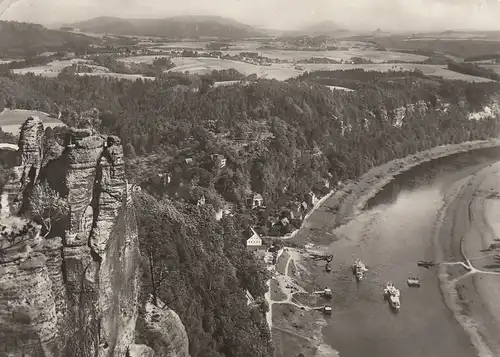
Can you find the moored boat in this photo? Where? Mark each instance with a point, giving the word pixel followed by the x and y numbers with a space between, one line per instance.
pixel 425 264
pixel 413 281
pixel 359 269
pixel 392 294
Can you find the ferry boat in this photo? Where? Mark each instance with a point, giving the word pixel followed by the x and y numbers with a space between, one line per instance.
pixel 425 264
pixel 327 293
pixel 392 294
pixel 359 269
pixel 413 281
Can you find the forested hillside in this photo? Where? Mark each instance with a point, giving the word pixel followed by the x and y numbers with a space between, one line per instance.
pixel 199 267
pixel 19 39
pixel 280 139
pixel 172 27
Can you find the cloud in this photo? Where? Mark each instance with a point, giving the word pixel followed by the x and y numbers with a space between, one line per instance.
pixel 279 14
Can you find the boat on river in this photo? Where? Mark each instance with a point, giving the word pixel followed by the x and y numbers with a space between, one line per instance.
pixel 392 294
pixel 425 264
pixel 359 269
pixel 413 281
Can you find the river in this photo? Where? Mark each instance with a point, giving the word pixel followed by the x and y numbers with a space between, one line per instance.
pixel 391 235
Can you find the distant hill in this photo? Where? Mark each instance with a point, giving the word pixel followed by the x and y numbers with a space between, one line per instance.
pixel 176 27
pixel 323 28
pixel 19 39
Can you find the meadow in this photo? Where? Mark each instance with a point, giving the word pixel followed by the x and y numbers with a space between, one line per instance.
pixel 372 55
pixel 494 67
pixel 53 68
pixel 286 71
pixel 11 120
pixel 278 71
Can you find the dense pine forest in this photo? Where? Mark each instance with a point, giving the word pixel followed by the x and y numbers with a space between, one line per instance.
pixel 281 139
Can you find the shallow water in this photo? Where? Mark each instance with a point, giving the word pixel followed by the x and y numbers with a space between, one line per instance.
pixel 391 236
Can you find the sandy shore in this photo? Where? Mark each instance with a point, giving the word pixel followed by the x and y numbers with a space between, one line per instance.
pixel 343 205
pixel 466 229
pixel 336 210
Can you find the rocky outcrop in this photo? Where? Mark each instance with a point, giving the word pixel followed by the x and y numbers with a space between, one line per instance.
pixel 162 329
pixel 399 114
pixel 141 351
pixel 28 315
pixel 74 291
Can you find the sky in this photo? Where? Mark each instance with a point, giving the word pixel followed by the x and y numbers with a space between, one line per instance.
pixel 403 15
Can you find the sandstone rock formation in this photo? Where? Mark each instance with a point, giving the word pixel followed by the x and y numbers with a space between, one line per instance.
pixel 163 330
pixel 75 290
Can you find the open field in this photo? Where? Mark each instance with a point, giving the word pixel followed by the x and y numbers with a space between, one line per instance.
pixel 286 71
pixel 140 59
pixel 190 45
pixel 117 75
pixel 288 55
pixel 11 120
pixel 225 83
pixel 341 88
pixel 279 71
pixel 194 45
pixel 53 68
pixel 373 55
pixel 427 69
pixel 494 67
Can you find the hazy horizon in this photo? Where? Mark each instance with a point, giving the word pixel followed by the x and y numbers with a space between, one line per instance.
pixel 359 15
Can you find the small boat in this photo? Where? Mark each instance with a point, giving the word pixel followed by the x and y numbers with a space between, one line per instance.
pixel 395 303
pixel 392 294
pixel 359 269
pixel 328 268
pixel 327 293
pixel 413 281
pixel 425 264
pixel 327 310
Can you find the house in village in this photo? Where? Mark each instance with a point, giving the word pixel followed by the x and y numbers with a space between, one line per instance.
pixel 312 198
pixel 219 160
pixel 253 240
pixel 188 160
pixel 201 201
pixel 225 211
pixel 165 178
pixel 284 222
pixel 297 211
pixel 250 299
pixel 254 200
pixel 279 225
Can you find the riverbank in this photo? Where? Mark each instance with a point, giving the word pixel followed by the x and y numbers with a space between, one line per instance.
pixel 343 205
pixel 465 231
pixel 339 209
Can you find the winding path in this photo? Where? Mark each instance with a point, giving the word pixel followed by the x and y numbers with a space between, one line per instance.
pixel 287 287
pixel 467 264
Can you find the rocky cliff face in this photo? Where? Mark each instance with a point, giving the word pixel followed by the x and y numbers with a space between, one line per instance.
pixel 162 329
pixel 73 291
